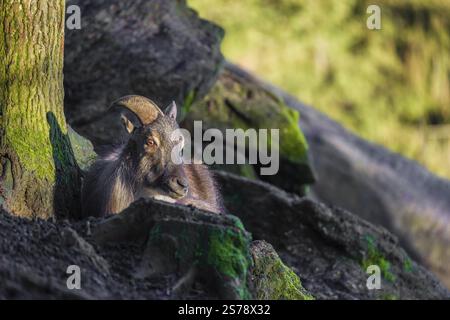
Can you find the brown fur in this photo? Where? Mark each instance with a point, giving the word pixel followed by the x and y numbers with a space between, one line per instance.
pixel 142 167
pixel 203 191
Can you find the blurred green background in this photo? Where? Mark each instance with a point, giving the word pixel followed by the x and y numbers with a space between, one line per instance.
pixel 391 86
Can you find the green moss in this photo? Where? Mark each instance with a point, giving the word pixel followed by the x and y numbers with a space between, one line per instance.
pixel 375 257
pixel 7 181
pixel 247 171
pixel 388 85
pixel 388 296
pixel 82 148
pixel 273 279
pixel 237 222
pixel 228 254
pixel 234 103
pixel 34 149
pixel 407 265
pixel 187 103
pixel 293 145
pixel 219 251
pixel 225 253
pixel 31 87
pixel 286 284
pixel 36 139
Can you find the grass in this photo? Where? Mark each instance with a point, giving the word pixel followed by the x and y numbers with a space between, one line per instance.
pixel 391 86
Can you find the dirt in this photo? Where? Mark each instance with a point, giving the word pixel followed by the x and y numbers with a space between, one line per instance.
pixel 35 255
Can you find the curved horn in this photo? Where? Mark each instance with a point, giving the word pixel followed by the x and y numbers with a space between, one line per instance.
pixel 145 109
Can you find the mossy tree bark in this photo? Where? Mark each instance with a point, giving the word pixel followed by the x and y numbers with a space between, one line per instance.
pixel 39 176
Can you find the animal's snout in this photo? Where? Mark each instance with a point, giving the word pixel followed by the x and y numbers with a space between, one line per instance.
pixel 179 186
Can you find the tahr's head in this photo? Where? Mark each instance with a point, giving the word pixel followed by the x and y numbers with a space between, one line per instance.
pixel 153 143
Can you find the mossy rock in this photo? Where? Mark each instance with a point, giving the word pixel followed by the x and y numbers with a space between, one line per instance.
pixel 373 256
pixel 220 252
pixel 235 103
pixel 82 148
pixel 179 239
pixel 272 279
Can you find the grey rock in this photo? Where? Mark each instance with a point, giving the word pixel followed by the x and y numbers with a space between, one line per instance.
pixel 272 279
pixel 19 282
pixel 186 241
pixel 375 184
pixel 329 248
pixel 72 238
pixel 160 49
pixel 165 52
pixel 83 149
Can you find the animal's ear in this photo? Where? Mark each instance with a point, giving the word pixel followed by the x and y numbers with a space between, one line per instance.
pixel 129 126
pixel 171 110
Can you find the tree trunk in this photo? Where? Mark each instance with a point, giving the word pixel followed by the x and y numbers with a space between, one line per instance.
pixel 39 176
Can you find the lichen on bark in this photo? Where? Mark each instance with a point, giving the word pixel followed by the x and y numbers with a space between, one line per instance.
pixel 34 143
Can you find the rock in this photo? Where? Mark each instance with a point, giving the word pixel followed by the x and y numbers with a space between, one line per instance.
pixel 180 57
pixel 72 238
pixel 167 53
pixel 179 238
pixel 201 246
pixel 19 282
pixel 376 184
pixel 235 103
pixel 83 149
pixel 272 279
pixel 158 250
pixel 160 49
pixel 34 257
pixel 328 248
